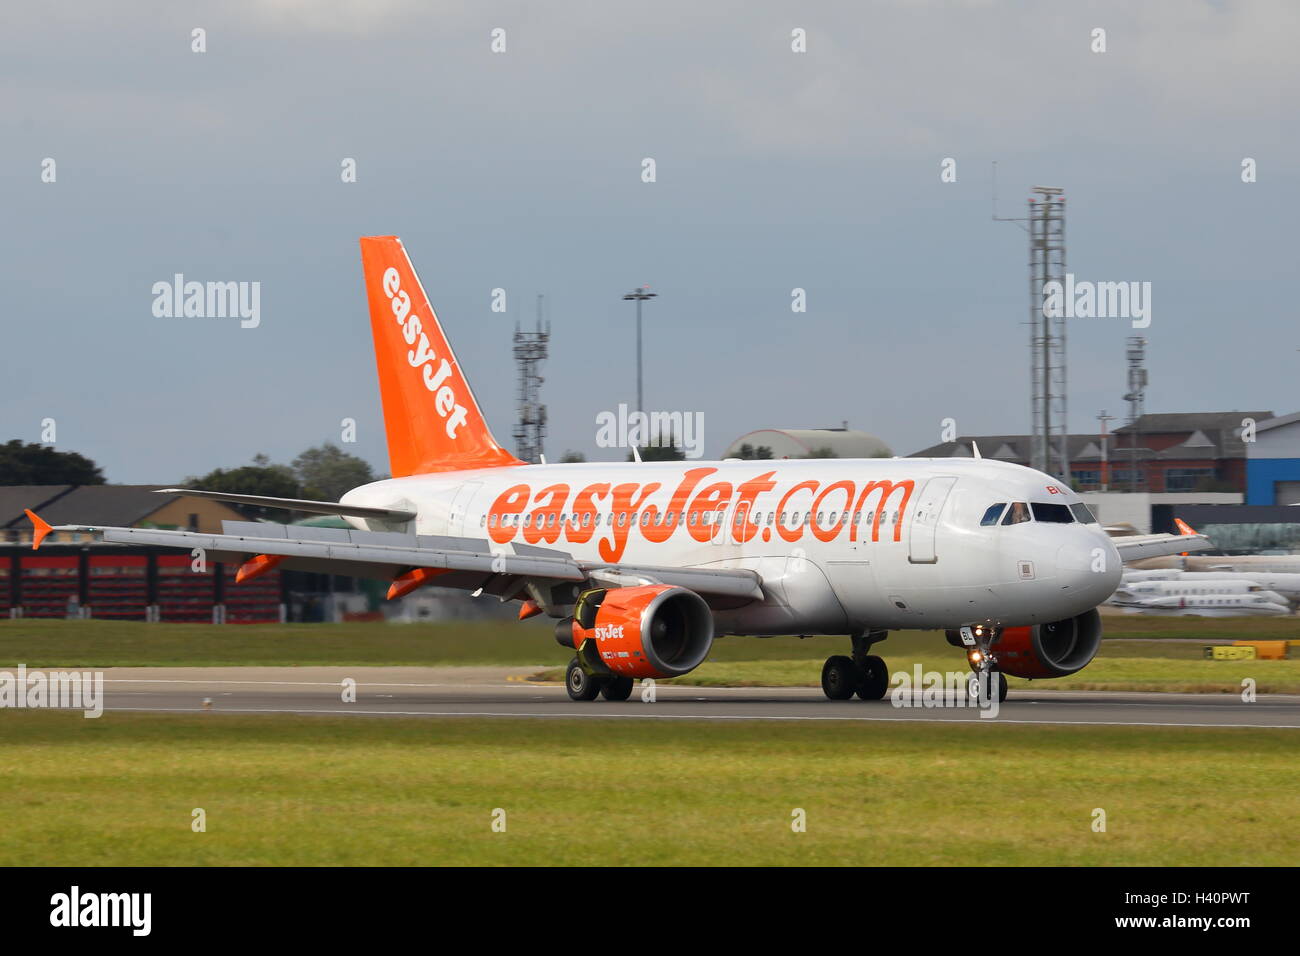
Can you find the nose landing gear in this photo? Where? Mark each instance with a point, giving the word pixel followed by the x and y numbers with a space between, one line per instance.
pixel 863 674
pixel 983 662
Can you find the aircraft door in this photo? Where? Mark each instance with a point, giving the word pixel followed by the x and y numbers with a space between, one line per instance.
pixel 925 520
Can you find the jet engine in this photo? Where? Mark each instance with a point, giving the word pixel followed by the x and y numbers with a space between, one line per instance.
pixel 654 630
pixel 1049 650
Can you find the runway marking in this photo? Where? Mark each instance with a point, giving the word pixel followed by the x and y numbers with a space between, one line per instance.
pixel 299 683
pixel 606 715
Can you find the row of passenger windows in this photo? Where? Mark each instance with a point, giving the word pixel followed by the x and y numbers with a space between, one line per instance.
pixel 1019 511
pixel 790 519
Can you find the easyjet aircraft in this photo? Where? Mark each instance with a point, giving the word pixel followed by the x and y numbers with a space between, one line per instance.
pixel 644 565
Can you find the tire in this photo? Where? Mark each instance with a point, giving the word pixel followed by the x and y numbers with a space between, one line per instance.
pixel 839 678
pixel 617 688
pixel 873 679
pixel 972 686
pixel 580 684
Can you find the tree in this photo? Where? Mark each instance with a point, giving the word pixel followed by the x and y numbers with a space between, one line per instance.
pixel 259 478
pixel 661 450
pixel 327 473
pixel 572 457
pixel 33 464
pixel 751 452
pixel 825 451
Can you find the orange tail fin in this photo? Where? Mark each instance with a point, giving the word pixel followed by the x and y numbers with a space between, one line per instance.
pixel 431 418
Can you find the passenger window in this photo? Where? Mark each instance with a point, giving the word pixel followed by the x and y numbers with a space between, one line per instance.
pixel 993 514
pixel 1018 512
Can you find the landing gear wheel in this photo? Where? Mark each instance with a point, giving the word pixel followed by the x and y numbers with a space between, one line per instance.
pixel 580 684
pixel 999 682
pixel 839 677
pixel 617 688
pixel 873 678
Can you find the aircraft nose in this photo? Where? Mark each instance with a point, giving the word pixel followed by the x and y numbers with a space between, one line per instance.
pixel 1089 568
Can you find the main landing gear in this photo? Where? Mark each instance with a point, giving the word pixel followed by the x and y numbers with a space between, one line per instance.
pixel 584 686
pixel 863 674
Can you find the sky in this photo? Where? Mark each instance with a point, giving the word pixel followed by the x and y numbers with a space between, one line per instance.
pixel 522 170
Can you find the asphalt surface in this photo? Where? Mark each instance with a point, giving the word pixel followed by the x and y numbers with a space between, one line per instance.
pixel 505 692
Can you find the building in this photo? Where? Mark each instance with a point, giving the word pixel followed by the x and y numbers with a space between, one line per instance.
pixel 121 506
pixel 842 442
pixel 1185 451
pixel 1273 462
pixel 72 577
pixel 1179 453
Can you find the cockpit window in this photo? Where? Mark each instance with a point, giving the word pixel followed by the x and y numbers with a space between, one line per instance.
pixel 993 514
pixel 1018 512
pixel 1052 514
pixel 1083 514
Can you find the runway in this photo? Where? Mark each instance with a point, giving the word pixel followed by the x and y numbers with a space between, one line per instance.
pixel 492 692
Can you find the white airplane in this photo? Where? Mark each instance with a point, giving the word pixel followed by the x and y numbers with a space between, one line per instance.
pixel 1284 587
pixel 1141 593
pixel 1263 604
pixel 643 565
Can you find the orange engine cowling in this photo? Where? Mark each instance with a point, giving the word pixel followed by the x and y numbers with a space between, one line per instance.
pixel 1049 650
pixel 655 630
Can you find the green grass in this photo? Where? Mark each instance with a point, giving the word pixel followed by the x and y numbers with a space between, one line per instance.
pixel 1150 664
pixel 52 643
pixel 309 791
pixel 135 644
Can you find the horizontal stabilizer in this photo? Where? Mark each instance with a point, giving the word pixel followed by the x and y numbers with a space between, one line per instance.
pixel 297 504
pixel 1133 547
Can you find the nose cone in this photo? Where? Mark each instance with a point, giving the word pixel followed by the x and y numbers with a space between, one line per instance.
pixel 1089 569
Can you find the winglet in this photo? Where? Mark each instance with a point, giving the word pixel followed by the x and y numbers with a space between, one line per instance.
pixel 40 527
pixel 974 446
pixel 1183 526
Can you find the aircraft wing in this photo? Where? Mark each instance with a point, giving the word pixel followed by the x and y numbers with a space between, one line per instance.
pixel 1135 546
pixel 296 504
pixel 458 562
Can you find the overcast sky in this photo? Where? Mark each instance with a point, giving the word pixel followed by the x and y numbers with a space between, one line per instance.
pixel 522 170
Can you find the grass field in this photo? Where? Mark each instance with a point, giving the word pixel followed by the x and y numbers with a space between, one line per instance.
pixel 1147 661
pixel 307 791
pixel 51 643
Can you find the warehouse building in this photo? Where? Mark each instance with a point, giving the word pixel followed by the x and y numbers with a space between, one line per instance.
pixel 1273 462
pixel 778 443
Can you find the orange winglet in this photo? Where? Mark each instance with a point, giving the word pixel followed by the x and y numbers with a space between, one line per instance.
pixel 404 584
pixel 529 609
pixel 1183 528
pixel 257 567
pixel 40 527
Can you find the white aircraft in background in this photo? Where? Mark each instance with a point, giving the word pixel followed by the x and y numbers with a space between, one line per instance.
pixel 643 565
pixel 1226 597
